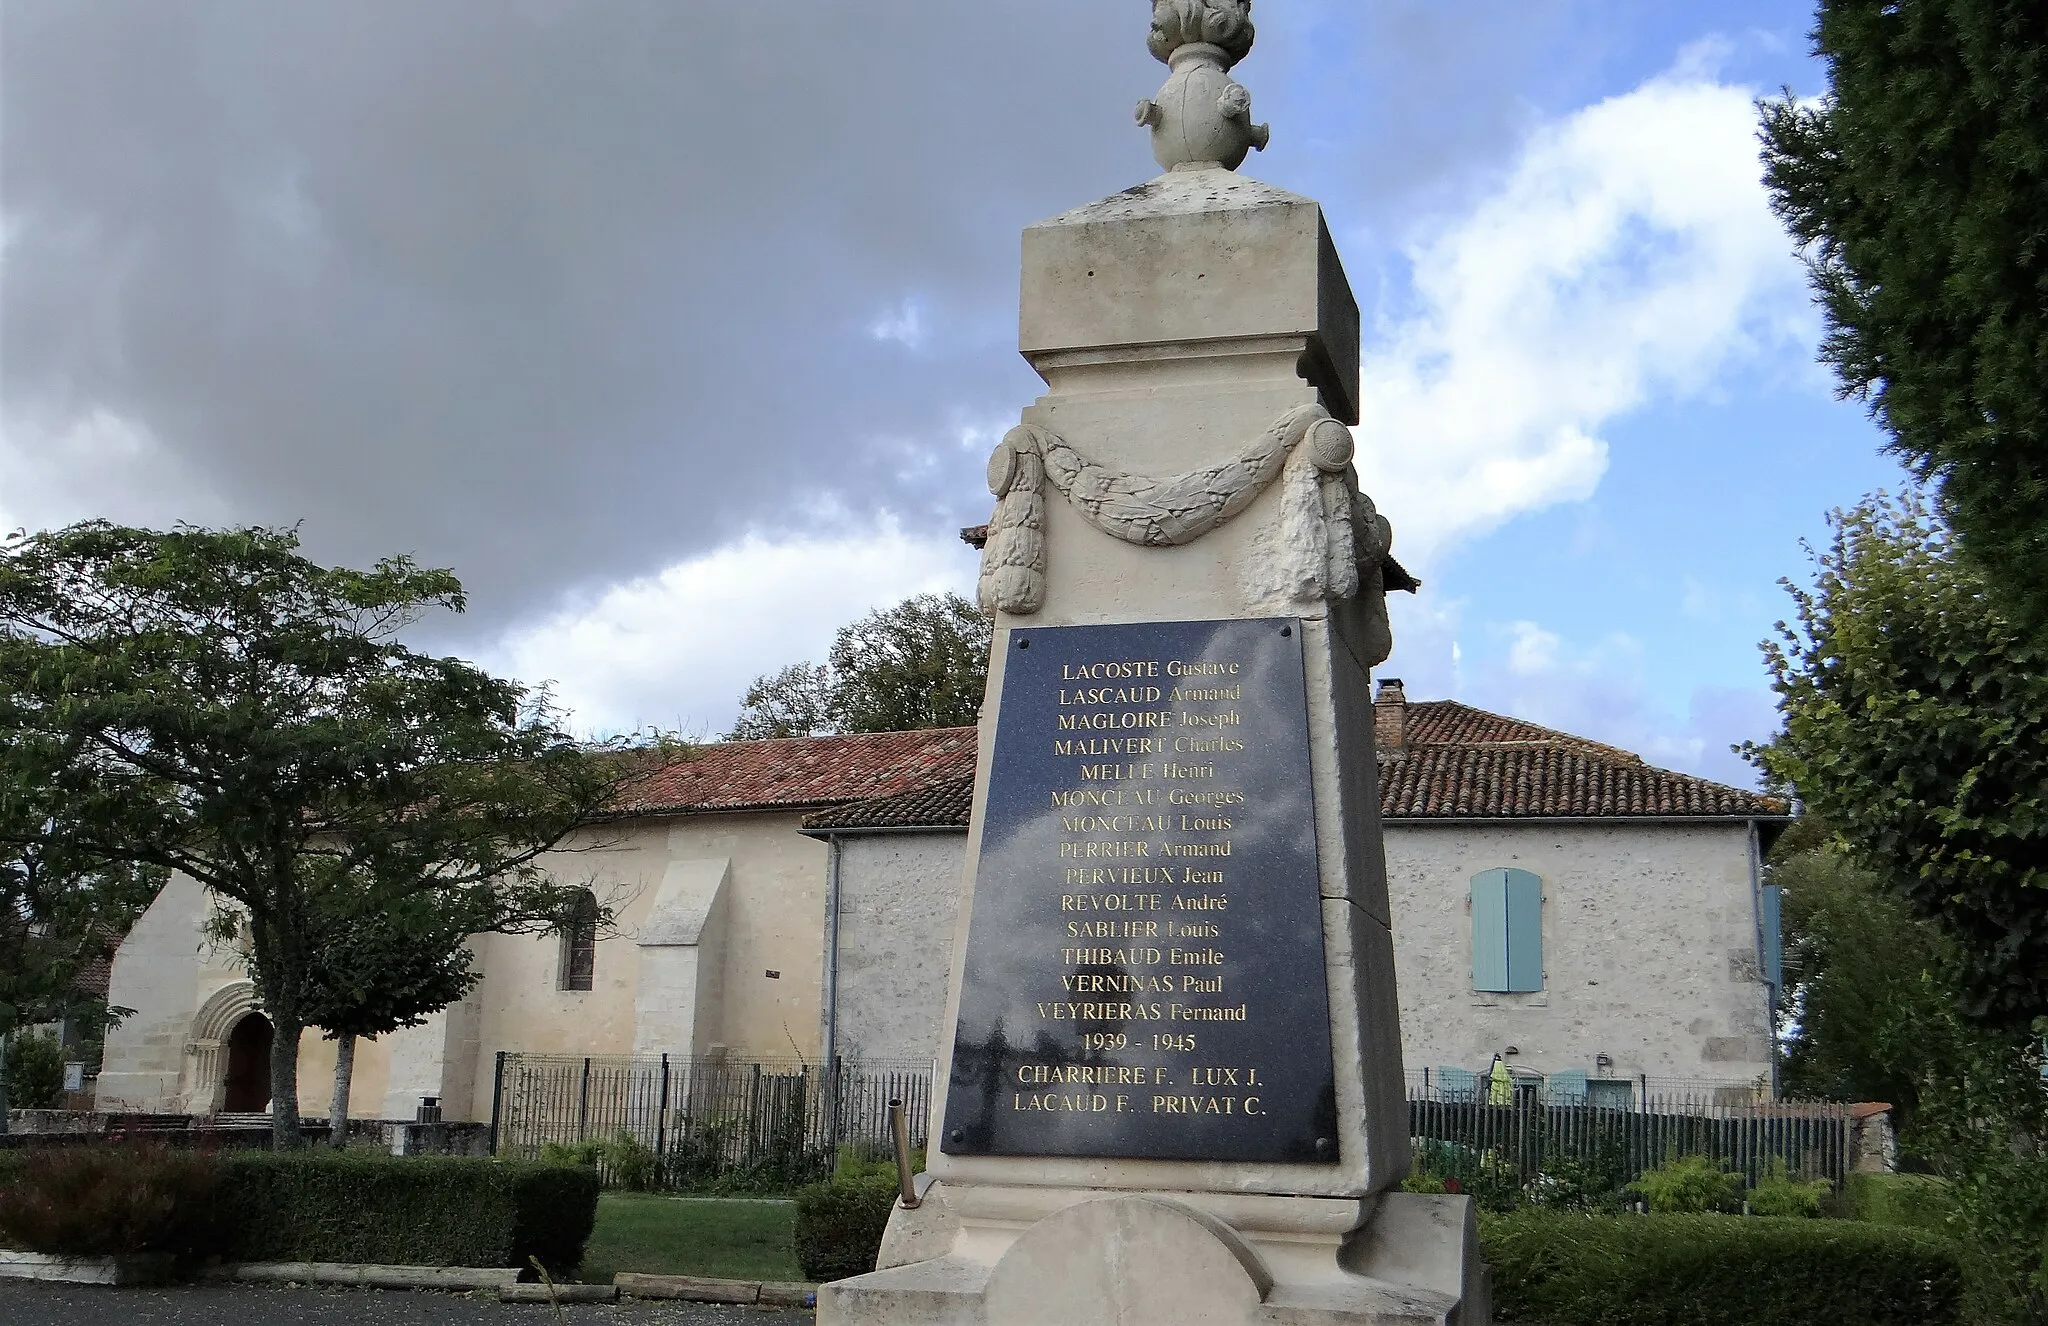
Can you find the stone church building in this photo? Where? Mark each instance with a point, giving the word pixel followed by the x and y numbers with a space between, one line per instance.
pixel 1555 900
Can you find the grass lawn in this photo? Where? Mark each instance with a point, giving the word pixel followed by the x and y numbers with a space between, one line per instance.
pixel 712 1236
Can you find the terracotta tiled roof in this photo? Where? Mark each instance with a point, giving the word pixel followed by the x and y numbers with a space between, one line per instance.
pixel 941 805
pixel 1458 763
pixel 92 978
pixel 804 772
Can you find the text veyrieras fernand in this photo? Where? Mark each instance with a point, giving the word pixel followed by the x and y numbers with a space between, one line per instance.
pixel 1144 972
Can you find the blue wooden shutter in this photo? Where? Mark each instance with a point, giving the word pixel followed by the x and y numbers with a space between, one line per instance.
pixel 1770 909
pixel 1490 930
pixel 1524 904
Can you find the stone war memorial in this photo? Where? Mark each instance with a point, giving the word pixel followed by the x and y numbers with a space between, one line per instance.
pixel 1172 1091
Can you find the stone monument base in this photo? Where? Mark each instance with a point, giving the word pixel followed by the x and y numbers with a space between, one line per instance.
pixel 1017 1256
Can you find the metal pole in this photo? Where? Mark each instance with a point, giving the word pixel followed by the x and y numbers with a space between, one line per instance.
pixel 661 1115
pixel 583 1102
pixel 899 1126
pixel 497 1099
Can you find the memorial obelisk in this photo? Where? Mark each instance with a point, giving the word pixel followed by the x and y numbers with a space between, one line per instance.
pixel 1172 1091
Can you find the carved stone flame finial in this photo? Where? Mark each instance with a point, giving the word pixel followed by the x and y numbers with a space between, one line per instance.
pixel 1201 118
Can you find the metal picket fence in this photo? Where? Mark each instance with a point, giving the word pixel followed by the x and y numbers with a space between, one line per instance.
pixel 710 1124
pixel 720 1125
pixel 1612 1132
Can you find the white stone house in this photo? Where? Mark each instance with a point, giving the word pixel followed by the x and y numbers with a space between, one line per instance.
pixel 1555 900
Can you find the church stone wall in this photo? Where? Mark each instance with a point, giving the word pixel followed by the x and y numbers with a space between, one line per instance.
pixel 773 922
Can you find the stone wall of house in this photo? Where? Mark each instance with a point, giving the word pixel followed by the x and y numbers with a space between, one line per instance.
pixel 899 895
pixel 1649 946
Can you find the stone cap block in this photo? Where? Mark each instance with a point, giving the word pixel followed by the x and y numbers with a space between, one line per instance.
pixel 1194 256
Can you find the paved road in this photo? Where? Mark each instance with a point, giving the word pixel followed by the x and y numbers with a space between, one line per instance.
pixel 29 1304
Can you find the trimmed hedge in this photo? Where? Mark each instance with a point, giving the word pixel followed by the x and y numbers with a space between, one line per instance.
pixel 305 1206
pixel 839 1225
pixel 1711 1270
pixel 1907 1201
pixel 413 1211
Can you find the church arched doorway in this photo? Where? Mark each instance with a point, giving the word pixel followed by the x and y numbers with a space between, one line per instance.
pixel 248 1079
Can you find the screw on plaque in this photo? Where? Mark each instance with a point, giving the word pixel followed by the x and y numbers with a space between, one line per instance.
pixel 1287 630
pixel 957 1136
pixel 1023 643
pixel 1324 1146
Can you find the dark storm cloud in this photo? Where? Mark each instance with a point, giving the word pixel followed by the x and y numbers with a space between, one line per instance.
pixel 544 291
pixel 556 293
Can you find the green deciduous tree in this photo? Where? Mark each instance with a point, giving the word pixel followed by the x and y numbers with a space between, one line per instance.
pixel 386 957
pixel 1857 971
pixel 920 664
pixel 1874 1013
pixel 213 702
pixel 1921 184
pixel 1916 724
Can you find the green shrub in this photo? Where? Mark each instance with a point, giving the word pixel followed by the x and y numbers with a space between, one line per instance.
pixel 839 1226
pixel 587 1152
pixel 35 1071
pixel 414 1211
pixel 1910 1201
pixel 630 1163
pixel 1777 1193
pixel 1690 1185
pixel 79 1201
pixel 1713 1270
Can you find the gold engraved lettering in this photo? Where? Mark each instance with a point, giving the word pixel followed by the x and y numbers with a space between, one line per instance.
pixel 1201 668
pixel 1208 902
pixel 1139 718
pixel 1106 773
pixel 1110 671
pixel 1111 957
pixel 1206 746
pixel 1176 797
pixel 1228 718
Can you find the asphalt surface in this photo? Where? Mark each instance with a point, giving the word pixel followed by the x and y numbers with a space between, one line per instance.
pixel 26 1303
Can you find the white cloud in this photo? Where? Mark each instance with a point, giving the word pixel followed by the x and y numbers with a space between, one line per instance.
pixel 677 649
pixel 903 324
pixel 58 469
pixel 1628 255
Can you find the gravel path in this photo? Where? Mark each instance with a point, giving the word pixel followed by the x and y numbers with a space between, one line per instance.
pixel 32 1304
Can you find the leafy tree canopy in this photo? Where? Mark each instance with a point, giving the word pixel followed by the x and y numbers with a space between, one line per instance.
pixel 58 915
pixel 1916 724
pixel 213 702
pixel 1921 184
pixel 920 664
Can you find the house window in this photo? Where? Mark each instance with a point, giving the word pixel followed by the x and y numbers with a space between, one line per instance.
pixel 579 944
pixel 1507 932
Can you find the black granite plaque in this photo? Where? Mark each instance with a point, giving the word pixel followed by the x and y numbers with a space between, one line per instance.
pixel 1144 971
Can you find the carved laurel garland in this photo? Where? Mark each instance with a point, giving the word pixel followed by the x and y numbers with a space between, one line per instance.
pixel 1330 535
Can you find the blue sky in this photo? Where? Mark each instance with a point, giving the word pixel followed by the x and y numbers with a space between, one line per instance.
pixel 682 332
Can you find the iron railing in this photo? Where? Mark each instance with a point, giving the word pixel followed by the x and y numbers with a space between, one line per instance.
pixel 710 1123
pixel 1610 1132
pixel 715 1124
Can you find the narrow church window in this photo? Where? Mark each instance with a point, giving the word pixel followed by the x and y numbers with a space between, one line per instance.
pixel 579 944
pixel 1507 932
